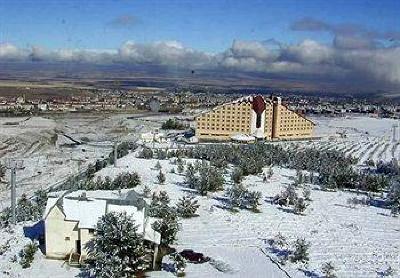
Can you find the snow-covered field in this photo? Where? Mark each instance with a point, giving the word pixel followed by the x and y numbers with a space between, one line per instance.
pixel 47 162
pixel 365 137
pixel 360 241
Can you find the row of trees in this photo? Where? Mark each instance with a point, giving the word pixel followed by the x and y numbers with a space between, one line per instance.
pixel 122 181
pixel 333 169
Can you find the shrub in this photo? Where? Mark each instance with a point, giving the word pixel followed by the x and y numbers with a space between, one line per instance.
pixel 300 206
pixel 146 153
pixel 300 254
pixel 167 226
pixel 241 197
pixel 173 124
pixel 187 206
pixel 125 180
pixel 328 270
pixel 159 205
pixel 161 177
pixel 118 247
pixel 27 254
pixel 237 175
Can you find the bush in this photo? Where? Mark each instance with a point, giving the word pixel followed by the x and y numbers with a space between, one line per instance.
pixel 300 206
pixel 241 197
pixel 125 181
pixel 300 253
pixel 328 270
pixel 146 153
pixel 159 205
pixel 2 171
pixel 167 226
pixel 204 178
pixel 118 247
pixel 187 207
pixel 173 124
pixel 146 191
pixel 27 254
pixel 237 175
pixel 157 166
pixel 161 177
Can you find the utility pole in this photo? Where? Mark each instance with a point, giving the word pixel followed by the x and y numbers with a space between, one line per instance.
pixel 394 139
pixel 14 165
pixel 115 153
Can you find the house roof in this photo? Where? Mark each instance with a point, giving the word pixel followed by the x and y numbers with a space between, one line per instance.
pixel 86 207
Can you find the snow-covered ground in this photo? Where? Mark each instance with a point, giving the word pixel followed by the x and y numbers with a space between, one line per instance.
pixel 47 162
pixel 365 137
pixel 360 241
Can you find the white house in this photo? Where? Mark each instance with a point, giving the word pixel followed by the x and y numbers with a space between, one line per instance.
pixel 70 220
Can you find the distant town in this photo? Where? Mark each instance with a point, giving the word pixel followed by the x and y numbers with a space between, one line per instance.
pixel 177 100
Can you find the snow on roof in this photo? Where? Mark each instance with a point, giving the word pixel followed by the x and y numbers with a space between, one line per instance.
pixel 84 210
pixel 51 202
pixel 86 207
pixel 137 215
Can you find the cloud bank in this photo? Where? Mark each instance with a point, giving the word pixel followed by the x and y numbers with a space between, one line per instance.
pixel 354 54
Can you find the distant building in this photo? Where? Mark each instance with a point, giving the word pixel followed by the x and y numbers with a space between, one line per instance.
pixel 71 219
pixel 263 118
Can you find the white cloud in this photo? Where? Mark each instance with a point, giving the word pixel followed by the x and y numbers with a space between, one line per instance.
pixel 11 52
pixel 308 58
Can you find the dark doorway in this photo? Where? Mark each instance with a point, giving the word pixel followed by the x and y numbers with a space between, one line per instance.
pixel 78 246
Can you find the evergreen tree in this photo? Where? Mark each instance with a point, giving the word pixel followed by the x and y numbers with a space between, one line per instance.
pixel 237 175
pixel 161 177
pixel 190 176
pixel 179 264
pixel 91 170
pixel 290 194
pixel 125 180
pixel 2 171
pixel 118 249
pixel 146 153
pixel 158 166
pixel 167 226
pixel 393 197
pixel 27 254
pixel 159 205
pixel 180 167
pixel 299 180
pixel 270 173
pixel 328 270
pixel 241 197
pixel 146 191
pixel 210 179
pixel 187 206
pixel 280 241
pixel 307 193
pixel 300 206
pixel 40 198
pixel 300 253
pixel 25 209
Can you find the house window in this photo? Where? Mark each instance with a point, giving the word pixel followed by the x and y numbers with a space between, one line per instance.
pixel 67 238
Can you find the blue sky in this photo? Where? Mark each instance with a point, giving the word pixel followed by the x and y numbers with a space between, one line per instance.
pixel 206 25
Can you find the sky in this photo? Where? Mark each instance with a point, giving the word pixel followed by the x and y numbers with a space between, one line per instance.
pixel 332 39
pixel 207 25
